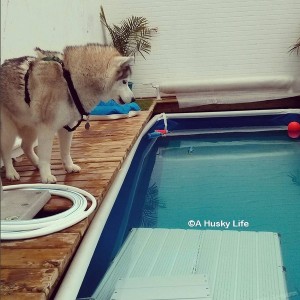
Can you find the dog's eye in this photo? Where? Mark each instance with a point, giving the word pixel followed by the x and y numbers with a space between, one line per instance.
pixel 124 82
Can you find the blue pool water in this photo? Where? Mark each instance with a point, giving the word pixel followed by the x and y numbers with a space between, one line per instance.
pixel 223 180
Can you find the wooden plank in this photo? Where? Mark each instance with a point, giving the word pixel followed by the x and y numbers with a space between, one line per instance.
pixel 80 227
pixel 96 187
pixel 55 241
pixel 94 178
pixel 61 171
pixel 35 258
pixel 84 160
pixel 27 280
pixel 24 296
pixel 88 167
pixel 99 146
pixel 108 153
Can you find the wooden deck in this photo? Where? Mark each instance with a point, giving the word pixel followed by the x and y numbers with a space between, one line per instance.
pixel 32 269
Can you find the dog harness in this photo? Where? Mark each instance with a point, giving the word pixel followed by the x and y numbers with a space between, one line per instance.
pixel 73 92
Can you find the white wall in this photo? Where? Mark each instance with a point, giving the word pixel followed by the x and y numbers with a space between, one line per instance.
pixel 214 38
pixel 48 24
pixel 197 38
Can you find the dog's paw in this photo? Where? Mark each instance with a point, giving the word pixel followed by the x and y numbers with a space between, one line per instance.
pixel 73 168
pixel 12 175
pixel 49 179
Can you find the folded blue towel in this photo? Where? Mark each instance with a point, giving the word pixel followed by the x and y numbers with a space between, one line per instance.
pixel 112 107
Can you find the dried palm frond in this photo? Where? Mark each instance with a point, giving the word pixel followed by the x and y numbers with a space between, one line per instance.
pixel 131 36
pixel 296 47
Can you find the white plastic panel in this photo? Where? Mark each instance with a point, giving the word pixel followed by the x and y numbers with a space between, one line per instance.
pixel 163 288
pixel 238 265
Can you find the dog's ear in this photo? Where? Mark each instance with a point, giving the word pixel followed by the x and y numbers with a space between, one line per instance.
pixel 122 64
pixel 121 61
pixel 39 52
pixel 46 53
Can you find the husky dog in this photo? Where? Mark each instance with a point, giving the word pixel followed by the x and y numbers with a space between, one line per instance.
pixel 51 93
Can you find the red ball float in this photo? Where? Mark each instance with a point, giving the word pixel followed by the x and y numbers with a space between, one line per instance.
pixel 294 130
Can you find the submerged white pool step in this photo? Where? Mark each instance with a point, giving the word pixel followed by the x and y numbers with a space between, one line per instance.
pixel 239 265
pixel 163 288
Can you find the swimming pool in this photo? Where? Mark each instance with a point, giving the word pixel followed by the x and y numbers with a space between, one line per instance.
pixel 228 171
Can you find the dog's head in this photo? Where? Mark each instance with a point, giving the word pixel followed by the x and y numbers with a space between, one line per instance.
pixel 99 72
pixel 120 90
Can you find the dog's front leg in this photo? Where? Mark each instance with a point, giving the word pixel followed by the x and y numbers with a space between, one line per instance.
pixel 7 140
pixel 65 141
pixel 45 142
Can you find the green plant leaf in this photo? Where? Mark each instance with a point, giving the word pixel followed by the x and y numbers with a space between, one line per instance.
pixel 132 36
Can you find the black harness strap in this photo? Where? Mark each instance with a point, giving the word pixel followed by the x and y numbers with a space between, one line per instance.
pixel 73 92
pixel 26 78
pixel 67 127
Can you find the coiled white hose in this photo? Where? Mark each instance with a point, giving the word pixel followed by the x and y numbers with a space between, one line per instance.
pixel 24 229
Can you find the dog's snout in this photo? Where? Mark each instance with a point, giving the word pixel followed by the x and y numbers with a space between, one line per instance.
pixel 132 99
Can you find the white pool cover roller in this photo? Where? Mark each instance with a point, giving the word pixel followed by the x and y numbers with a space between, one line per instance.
pixel 237 264
pixel 231 90
pixel 284 83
